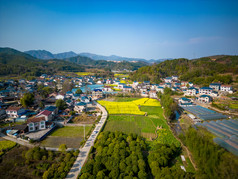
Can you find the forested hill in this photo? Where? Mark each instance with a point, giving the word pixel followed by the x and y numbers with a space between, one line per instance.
pixel 13 62
pixel 46 55
pixel 199 71
pixel 107 64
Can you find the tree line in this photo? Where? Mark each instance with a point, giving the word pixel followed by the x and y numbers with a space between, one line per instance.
pixel 212 160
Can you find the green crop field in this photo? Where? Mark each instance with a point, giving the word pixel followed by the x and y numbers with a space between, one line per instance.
pixel 142 125
pixel 6 145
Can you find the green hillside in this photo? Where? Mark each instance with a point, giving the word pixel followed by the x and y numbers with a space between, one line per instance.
pixel 13 62
pixel 107 64
pixel 200 71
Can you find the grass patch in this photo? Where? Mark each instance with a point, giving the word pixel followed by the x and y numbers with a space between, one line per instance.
pixel 189 167
pixel 69 135
pixel 6 145
pixel 71 131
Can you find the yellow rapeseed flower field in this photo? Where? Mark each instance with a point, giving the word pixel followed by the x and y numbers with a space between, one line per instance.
pixel 129 107
pixel 121 108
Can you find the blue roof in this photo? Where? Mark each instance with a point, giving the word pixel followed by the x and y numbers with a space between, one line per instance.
pixel 84 97
pixel 185 99
pixel 69 92
pixel 97 90
pixel 81 104
pixel 204 96
pixel 192 88
pixel 50 108
pixel 206 88
pixel 215 84
pixel 127 87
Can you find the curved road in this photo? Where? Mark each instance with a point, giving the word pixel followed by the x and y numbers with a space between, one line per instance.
pixel 84 152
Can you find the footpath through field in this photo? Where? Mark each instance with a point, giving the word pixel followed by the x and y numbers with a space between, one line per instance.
pixel 84 152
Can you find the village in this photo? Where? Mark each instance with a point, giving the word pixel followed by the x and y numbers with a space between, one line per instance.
pixel 43 115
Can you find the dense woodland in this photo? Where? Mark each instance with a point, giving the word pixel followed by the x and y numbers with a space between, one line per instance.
pixel 212 160
pixel 118 155
pixel 199 71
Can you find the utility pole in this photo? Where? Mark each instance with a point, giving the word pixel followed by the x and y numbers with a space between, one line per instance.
pixel 84 131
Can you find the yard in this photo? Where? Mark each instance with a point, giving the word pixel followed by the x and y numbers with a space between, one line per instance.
pixel 69 135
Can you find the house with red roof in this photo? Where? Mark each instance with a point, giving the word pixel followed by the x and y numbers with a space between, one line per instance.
pixel 36 123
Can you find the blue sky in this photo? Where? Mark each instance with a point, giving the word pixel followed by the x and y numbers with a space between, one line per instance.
pixel 144 29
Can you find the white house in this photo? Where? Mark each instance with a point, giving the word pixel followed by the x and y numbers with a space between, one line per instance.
pixel 184 100
pixel 204 98
pixel 168 80
pixel 14 112
pixel 205 90
pixel 35 124
pixel 109 81
pixel 174 78
pixel 160 89
pixel 191 91
pixel 152 94
pixel 215 86
pixel 107 89
pixel 127 88
pixel 60 96
pixel 227 88
pixel 80 107
pixel 135 84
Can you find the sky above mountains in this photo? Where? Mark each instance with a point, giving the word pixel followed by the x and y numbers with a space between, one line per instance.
pixel 143 29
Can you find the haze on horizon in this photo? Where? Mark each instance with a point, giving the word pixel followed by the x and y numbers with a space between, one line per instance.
pixel 138 29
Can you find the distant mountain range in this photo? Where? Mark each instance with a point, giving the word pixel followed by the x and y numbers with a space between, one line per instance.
pixel 46 55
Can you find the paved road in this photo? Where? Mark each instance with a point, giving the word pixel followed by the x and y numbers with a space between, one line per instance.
pixel 83 155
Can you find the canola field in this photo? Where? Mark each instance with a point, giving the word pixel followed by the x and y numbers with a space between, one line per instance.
pixel 121 108
pixel 83 73
pixel 147 102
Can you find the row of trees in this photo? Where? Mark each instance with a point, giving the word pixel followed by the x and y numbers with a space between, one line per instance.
pixel 168 104
pixel 212 160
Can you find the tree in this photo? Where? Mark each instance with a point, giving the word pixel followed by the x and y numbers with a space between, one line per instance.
pixel 63 148
pixel 67 86
pixel 79 91
pixel 27 100
pixel 61 104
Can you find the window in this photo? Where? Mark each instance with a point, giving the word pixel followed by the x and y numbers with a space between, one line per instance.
pixel 42 122
pixel 42 126
pixel 31 124
pixel 31 128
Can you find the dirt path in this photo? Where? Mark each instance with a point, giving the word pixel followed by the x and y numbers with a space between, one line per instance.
pixel 184 147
